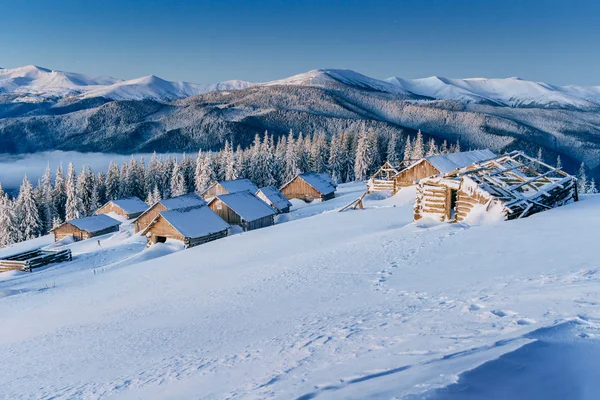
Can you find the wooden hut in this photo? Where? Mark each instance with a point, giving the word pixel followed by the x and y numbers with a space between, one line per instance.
pixel 243 209
pixel 186 200
pixel 86 228
pixel 231 186
pixel 309 186
pixel 438 165
pixel 192 225
pixel 383 179
pixel 128 208
pixel 274 198
pixel 515 184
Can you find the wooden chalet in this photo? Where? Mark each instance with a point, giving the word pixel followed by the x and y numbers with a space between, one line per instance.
pixel 186 200
pixel 383 179
pixel 310 186
pixel 192 225
pixel 516 183
pixel 227 187
pixel 274 198
pixel 86 228
pixel 128 208
pixel 436 165
pixel 243 209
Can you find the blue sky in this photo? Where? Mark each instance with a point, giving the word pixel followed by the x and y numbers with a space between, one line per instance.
pixel 210 41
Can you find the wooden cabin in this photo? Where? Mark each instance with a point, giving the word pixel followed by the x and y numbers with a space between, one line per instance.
pixel 438 165
pixel 86 228
pixel 515 184
pixel 383 179
pixel 243 209
pixel 274 198
pixel 192 225
pixel 310 186
pixel 186 200
pixel 227 187
pixel 128 208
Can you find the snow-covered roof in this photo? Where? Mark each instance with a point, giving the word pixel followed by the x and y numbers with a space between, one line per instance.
pixel 246 205
pixel 449 162
pixel 275 197
pixel 131 205
pixel 238 185
pixel 186 200
pixel 95 223
pixel 321 182
pixel 194 222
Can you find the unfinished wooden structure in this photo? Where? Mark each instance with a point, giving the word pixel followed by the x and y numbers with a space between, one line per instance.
pixel 310 186
pixel 186 200
pixel 28 260
pixel 243 209
pixel 227 187
pixel 128 208
pixel 514 184
pixel 436 165
pixel 192 225
pixel 383 179
pixel 86 228
pixel 274 198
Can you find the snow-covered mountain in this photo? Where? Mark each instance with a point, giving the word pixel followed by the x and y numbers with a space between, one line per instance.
pixel 35 84
pixel 512 92
pixel 32 84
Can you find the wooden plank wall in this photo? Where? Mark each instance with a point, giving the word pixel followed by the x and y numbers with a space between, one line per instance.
pixel 162 228
pixel 409 176
pixel 225 212
pixel 299 189
pixel 214 190
pixel 111 207
pixel 142 222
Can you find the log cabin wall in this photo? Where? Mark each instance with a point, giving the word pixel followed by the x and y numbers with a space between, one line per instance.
pixel 70 230
pixel 147 217
pixel 214 191
pixel 260 223
pixel 299 189
pixel 225 212
pixel 111 207
pixel 433 200
pixel 162 228
pixel 409 176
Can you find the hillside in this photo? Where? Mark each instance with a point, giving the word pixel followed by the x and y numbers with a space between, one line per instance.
pixel 360 304
pixel 151 114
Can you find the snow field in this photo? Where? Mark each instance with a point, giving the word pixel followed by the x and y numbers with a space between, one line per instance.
pixel 359 304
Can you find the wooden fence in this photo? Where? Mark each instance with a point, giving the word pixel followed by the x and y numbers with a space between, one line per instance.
pixel 29 260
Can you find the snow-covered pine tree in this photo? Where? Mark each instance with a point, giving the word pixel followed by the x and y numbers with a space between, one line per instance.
pixel 408 151
pixel 279 161
pixel 47 201
pixel 362 157
pixel 392 149
pixel 151 174
pixel 27 213
pixel 73 203
pixel 203 175
pixel 418 150
pixel 432 148
pixel 113 185
pixel 84 188
pixel 444 148
pixel 228 160
pixel 95 199
pixel 348 155
pixel 124 181
pixel 582 183
pixel 166 171
pixel 134 180
pixel 457 147
pixel 59 194
pixel 291 158
pixel 153 197
pixel 268 160
pixel 336 162
pixel 319 153
pixel 101 187
pixel 188 169
pixel 8 232
pixel 178 187
pixel 373 150
pixel 592 189
pixel 303 152
pixel 539 155
pixel 558 162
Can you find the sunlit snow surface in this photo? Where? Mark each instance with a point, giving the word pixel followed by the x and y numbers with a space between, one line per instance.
pixel 352 305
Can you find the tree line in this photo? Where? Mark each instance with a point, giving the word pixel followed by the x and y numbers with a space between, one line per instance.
pixel 345 157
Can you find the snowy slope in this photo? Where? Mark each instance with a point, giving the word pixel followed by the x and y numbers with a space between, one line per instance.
pixel 353 305
pixel 513 92
pixel 32 83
